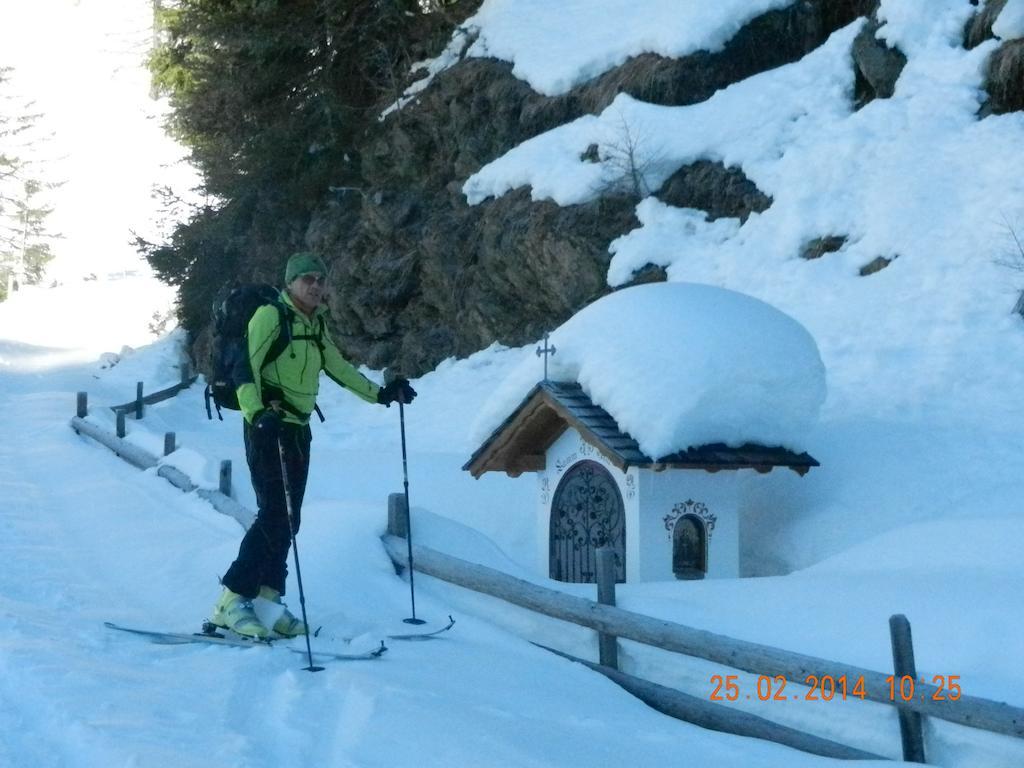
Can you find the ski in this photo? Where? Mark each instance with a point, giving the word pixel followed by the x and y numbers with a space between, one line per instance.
pixel 423 635
pixel 214 632
pixel 236 641
pixel 407 635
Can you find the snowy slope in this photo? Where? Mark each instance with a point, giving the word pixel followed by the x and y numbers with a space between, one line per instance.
pixel 86 538
pixel 109 542
pixel 532 34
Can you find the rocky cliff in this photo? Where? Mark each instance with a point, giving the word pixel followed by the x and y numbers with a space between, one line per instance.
pixel 419 275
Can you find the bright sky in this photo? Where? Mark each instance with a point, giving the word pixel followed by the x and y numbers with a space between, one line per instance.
pixel 82 61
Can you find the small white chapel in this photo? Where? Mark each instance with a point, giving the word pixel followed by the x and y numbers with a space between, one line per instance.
pixel 676 516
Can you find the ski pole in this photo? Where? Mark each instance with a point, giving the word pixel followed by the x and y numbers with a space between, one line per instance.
pixel 295 553
pixel 408 516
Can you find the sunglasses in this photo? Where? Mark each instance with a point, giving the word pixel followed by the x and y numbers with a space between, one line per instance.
pixel 310 279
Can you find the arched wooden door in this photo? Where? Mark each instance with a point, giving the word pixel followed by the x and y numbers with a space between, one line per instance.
pixel 587 513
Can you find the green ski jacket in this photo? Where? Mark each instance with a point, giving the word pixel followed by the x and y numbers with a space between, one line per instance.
pixel 294 377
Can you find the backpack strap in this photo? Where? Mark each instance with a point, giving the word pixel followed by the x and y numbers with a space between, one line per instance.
pixel 317 338
pixel 320 345
pixel 284 338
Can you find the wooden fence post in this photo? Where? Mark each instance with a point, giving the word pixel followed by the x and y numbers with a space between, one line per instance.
pixel 83 405
pixel 904 666
pixel 169 446
pixel 138 400
pixel 186 372
pixel 397 515
pixel 608 645
pixel 121 431
pixel 225 477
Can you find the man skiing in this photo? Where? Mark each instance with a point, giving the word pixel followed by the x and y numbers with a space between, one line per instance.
pixel 276 406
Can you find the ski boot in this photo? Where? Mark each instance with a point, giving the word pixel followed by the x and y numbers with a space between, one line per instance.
pixel 287 624
pixel 234 612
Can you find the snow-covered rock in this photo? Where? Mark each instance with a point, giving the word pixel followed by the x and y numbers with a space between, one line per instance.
pixel 1009 25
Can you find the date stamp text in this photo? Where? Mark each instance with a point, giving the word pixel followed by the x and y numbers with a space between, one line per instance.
pixel 827 688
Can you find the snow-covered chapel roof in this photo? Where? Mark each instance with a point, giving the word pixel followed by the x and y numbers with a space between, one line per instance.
pixel 519 444
pixel 676 367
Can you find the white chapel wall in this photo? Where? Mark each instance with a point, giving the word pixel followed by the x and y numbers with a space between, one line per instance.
pixel 674 492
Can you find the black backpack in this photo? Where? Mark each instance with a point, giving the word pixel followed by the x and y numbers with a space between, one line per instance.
pixel 231 315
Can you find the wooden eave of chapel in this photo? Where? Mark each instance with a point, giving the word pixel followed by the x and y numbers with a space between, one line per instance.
pixel 521 442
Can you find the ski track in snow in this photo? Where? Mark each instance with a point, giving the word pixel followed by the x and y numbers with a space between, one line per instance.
pixel 82 534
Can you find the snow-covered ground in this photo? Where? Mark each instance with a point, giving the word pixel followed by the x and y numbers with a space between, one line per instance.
pixel 86 538
pixel 915 509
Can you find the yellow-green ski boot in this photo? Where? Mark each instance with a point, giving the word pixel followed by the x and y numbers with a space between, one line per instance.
pixel 287 624
pixel 234 612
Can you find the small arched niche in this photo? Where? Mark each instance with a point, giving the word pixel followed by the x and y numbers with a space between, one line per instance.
pixel 689 548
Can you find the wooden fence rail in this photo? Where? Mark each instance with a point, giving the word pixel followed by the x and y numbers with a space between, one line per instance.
pixel 139 457
pixel 972 711
pixel 136 406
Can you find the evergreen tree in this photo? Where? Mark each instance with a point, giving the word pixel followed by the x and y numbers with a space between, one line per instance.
pixel 25 240
pixel 270 97
pixel 30 214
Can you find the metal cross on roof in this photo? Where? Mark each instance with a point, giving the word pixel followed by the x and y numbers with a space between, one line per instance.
pixel 546 350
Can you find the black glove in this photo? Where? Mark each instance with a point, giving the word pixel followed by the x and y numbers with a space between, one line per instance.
pixel 397 391
pixel 267 424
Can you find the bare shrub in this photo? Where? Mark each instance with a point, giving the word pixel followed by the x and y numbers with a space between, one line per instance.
pixel 1013 258
pixel 628 161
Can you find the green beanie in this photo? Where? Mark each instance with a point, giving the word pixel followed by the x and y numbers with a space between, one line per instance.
pixel 303 263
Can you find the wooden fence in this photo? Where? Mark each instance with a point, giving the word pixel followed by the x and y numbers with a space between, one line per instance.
pixel 221 498
pixel 136 407
pixel 613 622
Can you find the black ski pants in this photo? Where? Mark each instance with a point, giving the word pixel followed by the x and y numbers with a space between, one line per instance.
pixel 263 555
